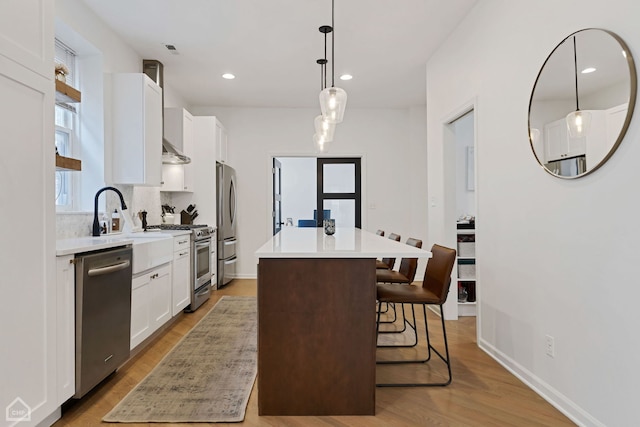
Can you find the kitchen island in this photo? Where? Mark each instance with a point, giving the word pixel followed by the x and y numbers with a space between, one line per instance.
pixel 316 320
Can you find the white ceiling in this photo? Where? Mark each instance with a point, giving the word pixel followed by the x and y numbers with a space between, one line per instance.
pixel 272 46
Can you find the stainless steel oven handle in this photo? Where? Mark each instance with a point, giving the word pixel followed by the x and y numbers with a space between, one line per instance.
pixel 231 261
pixel 109 269
pixel 203 243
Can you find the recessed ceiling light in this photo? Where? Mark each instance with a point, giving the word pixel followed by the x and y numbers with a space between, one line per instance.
pixel 588 70
pixel 346 77
pixel 228 76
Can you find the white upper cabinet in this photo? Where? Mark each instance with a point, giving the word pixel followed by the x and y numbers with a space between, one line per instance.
pixel 26 34
pixel 207 140
pixel 178 130
pixel 137 130
pixel 558 144
pixel 221 143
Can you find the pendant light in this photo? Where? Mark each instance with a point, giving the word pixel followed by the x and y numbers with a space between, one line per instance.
pixel 578 122
pixel 324 129
pixel 333 100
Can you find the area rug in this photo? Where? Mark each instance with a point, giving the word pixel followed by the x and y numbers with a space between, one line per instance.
pixel 207 377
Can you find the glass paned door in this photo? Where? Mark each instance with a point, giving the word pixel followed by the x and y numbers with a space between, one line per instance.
pixel 339 191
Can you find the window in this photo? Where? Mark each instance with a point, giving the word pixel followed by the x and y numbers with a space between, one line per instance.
pixel 66 137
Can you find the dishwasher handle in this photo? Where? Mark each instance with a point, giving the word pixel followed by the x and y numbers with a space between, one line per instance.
pixel 109 269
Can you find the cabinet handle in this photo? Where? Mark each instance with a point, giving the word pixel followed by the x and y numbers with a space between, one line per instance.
pixel 183 253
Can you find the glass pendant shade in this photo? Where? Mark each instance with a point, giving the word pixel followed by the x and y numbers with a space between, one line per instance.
pixel 578 123
pixel 324 128
pixel 333 101
pixel 320 143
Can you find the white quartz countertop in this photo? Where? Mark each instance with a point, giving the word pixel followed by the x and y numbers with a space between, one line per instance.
pixel 86 244
pixel 294 242
pixel 106 241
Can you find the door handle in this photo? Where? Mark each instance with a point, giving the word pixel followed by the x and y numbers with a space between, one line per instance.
pixel 108 269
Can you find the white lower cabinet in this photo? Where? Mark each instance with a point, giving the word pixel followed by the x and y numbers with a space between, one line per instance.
pixel 150 302
pixel 181 288
pixel 65 334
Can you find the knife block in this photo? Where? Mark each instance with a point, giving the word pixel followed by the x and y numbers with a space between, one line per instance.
pixel 185 218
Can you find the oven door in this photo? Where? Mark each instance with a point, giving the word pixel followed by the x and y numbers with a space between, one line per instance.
pixel 202 262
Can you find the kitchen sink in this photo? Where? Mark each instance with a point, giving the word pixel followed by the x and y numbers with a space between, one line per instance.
pixel 150 249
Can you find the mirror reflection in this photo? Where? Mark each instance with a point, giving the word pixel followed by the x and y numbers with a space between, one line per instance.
pixel 581 103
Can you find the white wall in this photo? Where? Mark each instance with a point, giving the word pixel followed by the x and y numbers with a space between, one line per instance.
pixel 555 257
pixel 299 176
pixel 391 143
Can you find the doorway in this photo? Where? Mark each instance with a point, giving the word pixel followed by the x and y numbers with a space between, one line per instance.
pixel 461 207
pixel 306 190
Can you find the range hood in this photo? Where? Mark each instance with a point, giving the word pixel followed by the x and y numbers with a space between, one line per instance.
pixel 170 154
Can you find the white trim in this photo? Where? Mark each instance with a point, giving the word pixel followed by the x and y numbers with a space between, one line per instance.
pixel 558 400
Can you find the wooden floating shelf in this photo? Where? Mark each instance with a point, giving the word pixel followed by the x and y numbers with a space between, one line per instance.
pixel 65 93
pixel 67 163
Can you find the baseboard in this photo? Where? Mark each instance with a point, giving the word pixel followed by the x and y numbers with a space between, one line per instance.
pixel 558 400
pixel 245 276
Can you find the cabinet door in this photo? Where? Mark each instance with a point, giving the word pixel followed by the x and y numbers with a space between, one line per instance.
pixel 221 143
pixel 160 296
pixel 28 315
pixel 204 162
pixel 181 294
pixel 140 309
pixel 137 130
pixel 66 334
pixel 559 144
pixel 26 34
pixel 172 178
pixel 188 142
pixel 179 131
pixel 555 140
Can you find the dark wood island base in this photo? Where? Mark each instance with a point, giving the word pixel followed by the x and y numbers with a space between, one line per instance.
pixel 316 336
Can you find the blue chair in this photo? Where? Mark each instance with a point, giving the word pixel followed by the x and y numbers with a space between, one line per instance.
pixel 306 223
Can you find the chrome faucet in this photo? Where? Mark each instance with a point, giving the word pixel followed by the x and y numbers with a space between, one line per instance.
pixel 96 223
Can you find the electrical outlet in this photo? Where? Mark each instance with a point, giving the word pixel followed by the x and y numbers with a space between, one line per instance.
pixel 550 345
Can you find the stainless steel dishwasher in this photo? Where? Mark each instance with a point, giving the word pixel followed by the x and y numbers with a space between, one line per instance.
pixel 103 314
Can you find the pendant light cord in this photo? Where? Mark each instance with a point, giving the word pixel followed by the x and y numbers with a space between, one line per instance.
pixel 333 35
pixel 324 66
pixel 575 67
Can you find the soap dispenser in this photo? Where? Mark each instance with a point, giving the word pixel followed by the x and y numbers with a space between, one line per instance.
pixel 115 221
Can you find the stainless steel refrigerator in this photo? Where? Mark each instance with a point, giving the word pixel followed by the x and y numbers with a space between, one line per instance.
pixel 226 219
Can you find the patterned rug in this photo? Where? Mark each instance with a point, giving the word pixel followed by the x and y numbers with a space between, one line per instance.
pixel 207 377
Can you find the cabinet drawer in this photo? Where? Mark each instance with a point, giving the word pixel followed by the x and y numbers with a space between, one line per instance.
pixel 182 253
pixel 181 243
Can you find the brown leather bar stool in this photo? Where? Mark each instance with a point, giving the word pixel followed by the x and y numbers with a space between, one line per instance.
pixel 388 263
pixel 434 291
pixel 404 276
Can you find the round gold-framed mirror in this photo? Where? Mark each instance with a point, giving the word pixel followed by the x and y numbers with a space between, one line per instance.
pixel 581 103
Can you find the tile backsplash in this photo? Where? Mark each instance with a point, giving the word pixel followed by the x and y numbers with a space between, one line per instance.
pixel 150 199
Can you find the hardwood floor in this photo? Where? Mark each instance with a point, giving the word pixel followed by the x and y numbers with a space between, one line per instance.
pixel 482 392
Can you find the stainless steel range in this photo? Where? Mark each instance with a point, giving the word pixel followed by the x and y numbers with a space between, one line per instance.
pixel 201 264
